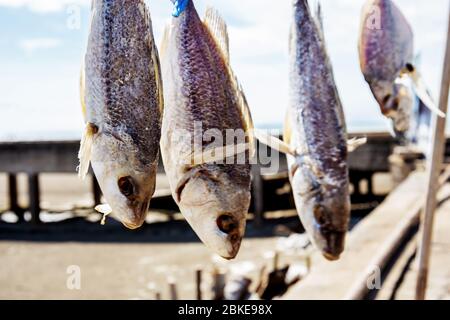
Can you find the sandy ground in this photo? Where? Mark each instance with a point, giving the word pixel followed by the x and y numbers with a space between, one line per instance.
pixel 113 265
pixel 110 271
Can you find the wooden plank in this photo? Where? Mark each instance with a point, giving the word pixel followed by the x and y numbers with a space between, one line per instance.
pixel 34 197
pixel 198 283
pixel 376 267
pixel 439 272
pixel 438 138
pixel 257 196
pixel 395 277
pixel 41 157
pixel 333 280
pixel 62 156
pixel 13 199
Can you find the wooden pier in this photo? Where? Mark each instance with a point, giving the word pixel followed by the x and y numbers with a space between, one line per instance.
pixel 35 158
pixel 380 250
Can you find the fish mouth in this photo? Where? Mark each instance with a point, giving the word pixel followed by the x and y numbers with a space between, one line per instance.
pixel 335 242
pixel 139 215
pixel 231 231
pixel 330 257
pixel 221 233
pixel 132 226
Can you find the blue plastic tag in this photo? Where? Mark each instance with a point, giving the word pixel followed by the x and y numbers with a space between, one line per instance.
pixel 180 6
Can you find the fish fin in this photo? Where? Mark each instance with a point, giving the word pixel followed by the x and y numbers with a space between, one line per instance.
pixel 83 90
pixel 274 143
pixel 165 41
pixel 154 51
pixel 355 143
pixel 318 19
pixel 104 209
pixel 158 77
pixel 84 155
pixel 246 116
pixel 291 38
pixel 218 29
pixel 287 129
pixel 422 92
pixel 217 154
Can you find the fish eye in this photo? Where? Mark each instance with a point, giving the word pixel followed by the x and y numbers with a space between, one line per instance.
pixel 319 215
pixel 386 98
pixel 126 186
pixel 226 223
pixel 409 67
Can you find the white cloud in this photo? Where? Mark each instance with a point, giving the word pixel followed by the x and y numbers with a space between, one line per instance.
pixel 42 6
pixel 34 44
pixel 259 55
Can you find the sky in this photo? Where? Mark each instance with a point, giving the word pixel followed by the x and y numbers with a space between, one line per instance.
pixel 42 43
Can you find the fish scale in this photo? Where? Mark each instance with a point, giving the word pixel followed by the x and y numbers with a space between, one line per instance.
pixel 314 100
pixel 122 97
pixel 315 129
pixel 196 63
pixel 201 88
pixel 137 116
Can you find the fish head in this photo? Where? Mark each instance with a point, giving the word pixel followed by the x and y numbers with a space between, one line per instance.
pixel 383 92
pixel 324 210
pixel 396 101
pixel 404 96
pixel 216 208
pixel 126 183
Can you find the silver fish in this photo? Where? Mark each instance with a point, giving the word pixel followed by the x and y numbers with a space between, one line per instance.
pixel 386 49
pixel 315 130
pixel 122 99
pixel 200 87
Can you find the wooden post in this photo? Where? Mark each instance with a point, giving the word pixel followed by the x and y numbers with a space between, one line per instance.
pixel 34 197
pixel 438 138
pixel 218 284
pixel 198 282
pixel 96 191
pixel 257 195
pixel 13 202
pixel 276 258
pixel 173 289
pixel 370 190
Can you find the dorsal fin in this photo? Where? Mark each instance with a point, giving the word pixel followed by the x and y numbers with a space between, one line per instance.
pixel 287 129
pixel 318 19
pixel 245 115
pixel 218 29
pixel 145 12
pixel 82 90
pixel 158 78
pixel 164 42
